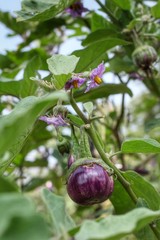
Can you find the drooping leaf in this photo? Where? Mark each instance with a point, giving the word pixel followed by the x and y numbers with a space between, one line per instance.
pixel 41 10
pixel 140 145
pixel 61 67
pixel 16 126
pixel 61 221
pixel 103 91
pixel 116 227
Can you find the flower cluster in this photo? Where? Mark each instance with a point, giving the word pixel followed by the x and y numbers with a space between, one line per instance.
pixel 93 80
pixel 76 9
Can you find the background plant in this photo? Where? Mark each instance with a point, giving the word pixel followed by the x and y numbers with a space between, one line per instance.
pixel 126 137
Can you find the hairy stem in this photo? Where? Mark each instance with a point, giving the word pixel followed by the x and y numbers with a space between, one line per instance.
pixel 93 136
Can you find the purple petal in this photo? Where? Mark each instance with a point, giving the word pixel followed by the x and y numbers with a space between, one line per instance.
pixel 97 71
pixel 76 9
pixel 78 80
pixel 91 85
pixel 56 121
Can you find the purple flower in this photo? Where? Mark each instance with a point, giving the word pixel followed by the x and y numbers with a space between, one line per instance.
pixel 56 121
pixel 96 77
pixel 74 82
pixel 76 9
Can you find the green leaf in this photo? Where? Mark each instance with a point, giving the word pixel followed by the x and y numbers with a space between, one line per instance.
pixel 61 67
pixel 99 22
pixel 140 145
pixel 61 221
pixel 10 87
pixel 76 120
pixel 125 4
pixel 143 189
pixel 41 10
pixel 103 91
pixel 7 185
pixel 116 227
pixel 10 22
pixel 120 64
pixel 32 227
pixel 99 35
pixel 18 219
pixel 155 10
pixel 28 87
pixel 91 56
pixel 146 232
pixel 16 126
pixel 88 107
pixel 152 124
pixel 120 199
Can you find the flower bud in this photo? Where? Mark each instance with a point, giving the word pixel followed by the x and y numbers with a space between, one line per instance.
pixel 89 183
pixel 64 146
pixel 144 56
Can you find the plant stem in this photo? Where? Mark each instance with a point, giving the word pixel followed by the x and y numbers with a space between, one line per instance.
pixel 93 136
pixel 108 12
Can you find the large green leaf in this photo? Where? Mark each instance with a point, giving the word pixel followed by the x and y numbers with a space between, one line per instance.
pixel 61 67
pixel 61 221
pixel 18 219
pixel 140 145
pixel 41 10
pixel 143 189
pixel 103 91
pixel 100 35
pixel 120 199
pixel 91 56
pixel 116 227
pixel 15 127
pixel 145 233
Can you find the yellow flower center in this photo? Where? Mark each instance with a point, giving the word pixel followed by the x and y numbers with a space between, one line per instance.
pixel 98 80
pixel 75 84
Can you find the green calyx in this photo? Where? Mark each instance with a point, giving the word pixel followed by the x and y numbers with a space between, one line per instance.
pixel 88 161
pixel 144 56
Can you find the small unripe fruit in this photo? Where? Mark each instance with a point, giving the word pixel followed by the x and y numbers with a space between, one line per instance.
pixel 89 184
pixel 144 56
